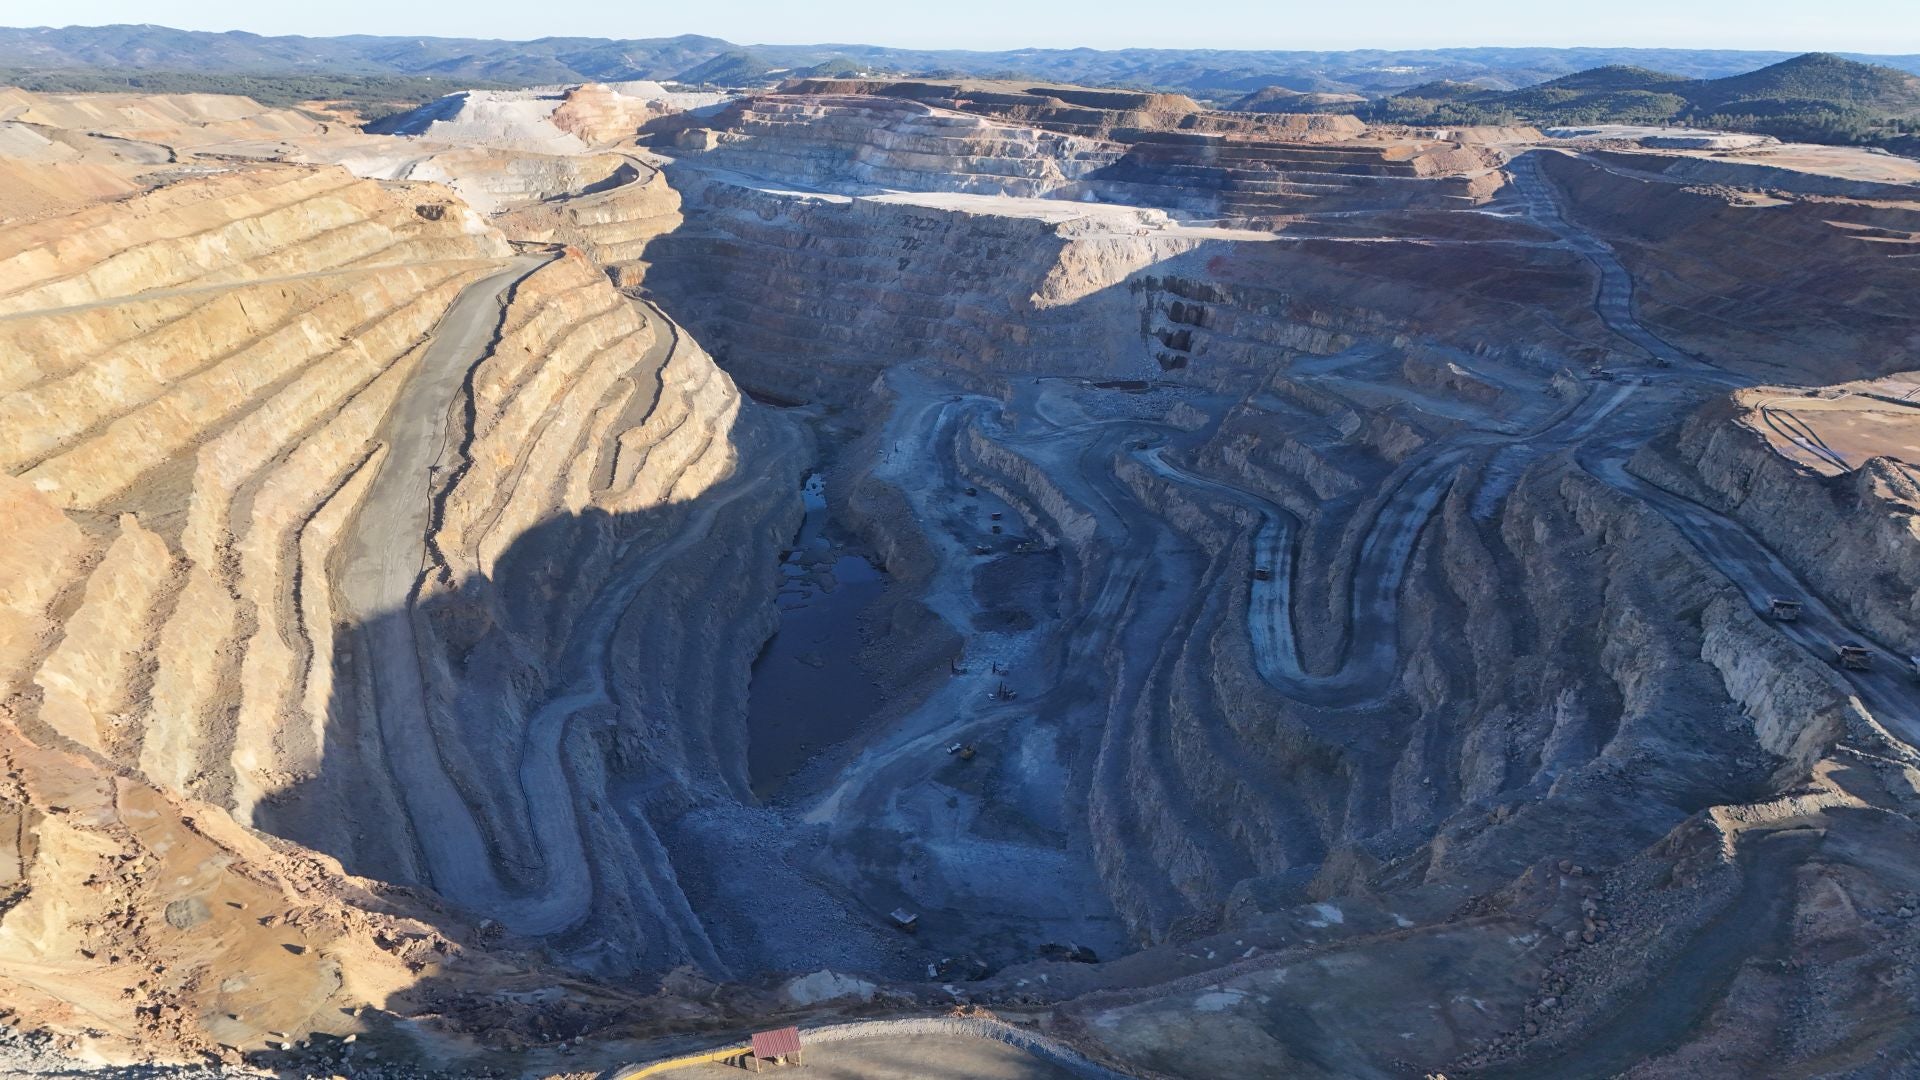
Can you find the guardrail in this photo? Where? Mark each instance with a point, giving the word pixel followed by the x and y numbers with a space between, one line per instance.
pixel 710 1057
pixel 1060 1056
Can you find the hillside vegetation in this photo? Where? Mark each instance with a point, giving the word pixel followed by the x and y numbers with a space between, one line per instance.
pixel 375 95
pixel 1818 97
pixel 1214 74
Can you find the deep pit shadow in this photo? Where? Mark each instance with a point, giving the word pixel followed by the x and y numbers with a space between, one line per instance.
pixel 493 648
pixel 809 691
pixel 1155 319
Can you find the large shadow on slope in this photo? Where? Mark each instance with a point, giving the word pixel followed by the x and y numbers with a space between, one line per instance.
pixel 566 715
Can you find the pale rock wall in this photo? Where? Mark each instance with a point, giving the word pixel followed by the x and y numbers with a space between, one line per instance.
pixel 806 295
pixel 42 553
pixel 598 113
pixel 196 386
pixel 490 181
pixel 1854 537
pixel 613 226
pixel 886 143
pixel 1216 165
pixel 799 294
pixel 236 338
pixel 87 683
pixel 594 433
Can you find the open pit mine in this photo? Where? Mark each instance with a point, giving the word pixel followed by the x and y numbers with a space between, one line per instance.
pixel 1010 580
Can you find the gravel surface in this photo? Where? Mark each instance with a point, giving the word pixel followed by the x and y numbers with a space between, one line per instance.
pixel 24 1054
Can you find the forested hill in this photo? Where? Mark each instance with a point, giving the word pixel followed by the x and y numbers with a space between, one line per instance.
pixel 1816 97
pixel 1214 74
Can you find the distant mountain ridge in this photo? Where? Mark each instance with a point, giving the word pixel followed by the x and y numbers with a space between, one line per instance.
pixel 1815 97
pixel 1216 74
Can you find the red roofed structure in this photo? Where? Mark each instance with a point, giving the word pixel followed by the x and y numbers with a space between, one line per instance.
pixel 776 1046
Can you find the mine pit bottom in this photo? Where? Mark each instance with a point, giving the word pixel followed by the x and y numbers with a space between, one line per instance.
pixel 808 690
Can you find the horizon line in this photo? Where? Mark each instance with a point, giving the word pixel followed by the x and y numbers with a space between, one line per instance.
pixel 1786 51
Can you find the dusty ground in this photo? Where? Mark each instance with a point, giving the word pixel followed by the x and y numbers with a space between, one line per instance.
pixel 1836 434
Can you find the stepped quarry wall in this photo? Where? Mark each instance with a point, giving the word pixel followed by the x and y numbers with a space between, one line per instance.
pixel 849 143
pixel 1079 110
pixel 1618 645
pixel 488 180
pixel 561 120
pixel 887 143
pixel 800 293
pixel 387 561
pixel 148 415
pixel 825 236
pixel 163 450
pixel 206 391
pixel 545 524
pixel 614 222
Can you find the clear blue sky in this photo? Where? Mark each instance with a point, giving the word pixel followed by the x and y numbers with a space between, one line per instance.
pixel 1874 26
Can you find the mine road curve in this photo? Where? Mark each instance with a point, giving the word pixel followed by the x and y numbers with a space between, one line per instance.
pixel 1798 432
pixel 380 575
pixel 1371 655
pixel 385 557
pixel 545 788
pixel 1887 690
pixel 924 424
pixel 1613 300
pixel 1127 615
pixel 1365 675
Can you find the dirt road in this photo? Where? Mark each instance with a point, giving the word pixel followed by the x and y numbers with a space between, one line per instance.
pixel 380 572
pixel 1887 690
pixel 379 581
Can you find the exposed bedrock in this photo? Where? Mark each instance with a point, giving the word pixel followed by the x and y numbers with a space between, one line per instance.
pixel 552 528
pixel 170 455
pixel 805 296
pixel 829 142
pixel 1552 711
pixel 1853 536
pixel 1312 631
pixel 1612 675
pixel 544 120
pixel 887 143
pixel 489 180
pixel 1075 109
pixel 612 221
